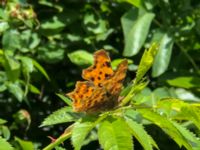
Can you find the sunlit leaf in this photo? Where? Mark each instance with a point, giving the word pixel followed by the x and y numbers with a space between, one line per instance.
pixel 137 31
pixel 5 145
pixel 79 133
pixel 25 145
pixel 163 56
pixel 62 115
pixel 185 82
pixel 111 136
pixel 81 57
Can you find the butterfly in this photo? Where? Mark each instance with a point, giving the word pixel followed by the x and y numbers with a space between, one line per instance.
pixel 102 87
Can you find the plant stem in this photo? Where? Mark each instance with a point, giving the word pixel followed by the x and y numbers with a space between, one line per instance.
pixel 59 140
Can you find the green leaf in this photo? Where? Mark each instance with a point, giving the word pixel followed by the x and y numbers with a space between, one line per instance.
pixel 2 121
pixel 12 66
pixel 3 26
pixel 11 40
pixel 41 69
pixel 27 64
pixel 137 3
pixel 81 57
pixel 185 82
pixel 115 135
pixel 163 56
pixel 47 52
pixel 52 26
pixel 186 95
pixel 25 145
pixel 62 115
pixel 16 90
pixel 5 145
pixel 65 99
pixel 141 135
pixel 136 35
pixel 5 132
pixel 146 62
pixel 79 133
pixel 166 125
pixel 116 62
pixel 179 110
pixel 34 89
pixel 191 137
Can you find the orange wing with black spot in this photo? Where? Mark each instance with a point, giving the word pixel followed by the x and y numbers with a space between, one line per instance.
pixel 101 70
pixel 103 87
pixel 87 97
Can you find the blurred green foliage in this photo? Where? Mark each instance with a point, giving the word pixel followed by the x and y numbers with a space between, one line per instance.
pixel 45 44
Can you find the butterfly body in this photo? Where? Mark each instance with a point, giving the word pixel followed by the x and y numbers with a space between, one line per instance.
pixel 102 87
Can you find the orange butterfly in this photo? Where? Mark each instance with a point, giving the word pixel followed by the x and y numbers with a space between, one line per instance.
pixel 101 90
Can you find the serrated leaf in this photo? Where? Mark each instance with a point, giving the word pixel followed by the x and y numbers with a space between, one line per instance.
pixel 115 135
pixel 137 34
pixel 146 62
pixel 81 57
pixel 191 137
pixel 62 115
pixel 184 111
pixel 79 133
pixel 5 145
pixel 165 124
pixel 65 99
pixel 163 56
pixel 25 145
pixel 140 134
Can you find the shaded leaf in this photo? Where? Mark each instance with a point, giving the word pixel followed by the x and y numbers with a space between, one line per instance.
pixel 65 99
pixel 41 69
pixel 34 89
pixel 2 121
pixel 12 66
pixel 16 90
pixel 11 40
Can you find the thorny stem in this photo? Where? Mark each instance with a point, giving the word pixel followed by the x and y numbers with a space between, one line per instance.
pixel 59 140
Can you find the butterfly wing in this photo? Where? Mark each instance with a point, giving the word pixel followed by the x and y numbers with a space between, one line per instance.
pixel 115 83
pixel 87 97
pixel 103 85
pixel 101 69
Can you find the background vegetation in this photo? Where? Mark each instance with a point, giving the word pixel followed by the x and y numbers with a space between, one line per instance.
pixel 45 44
